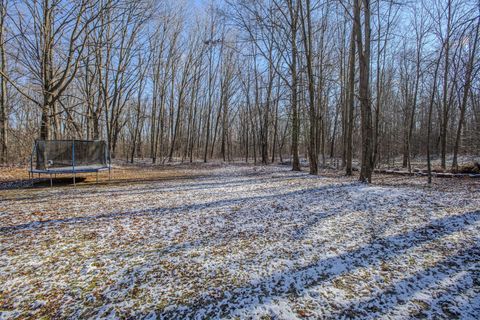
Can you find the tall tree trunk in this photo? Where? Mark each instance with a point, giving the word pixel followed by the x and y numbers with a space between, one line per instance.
pixel 177 125
pixel 364 89
pixel 343 93
pixel 153 122
pixel 266 112
pixel 3 88
pixel 446 107
pixel 293 8
pixel 430 111
pixel 46 69
pixel 209 111
pixel 350 103
pixel 225 127
pixel 307 41
pixel 414 104
pixel 466 90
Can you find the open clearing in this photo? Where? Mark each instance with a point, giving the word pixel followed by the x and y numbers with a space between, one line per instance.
pixel 242 242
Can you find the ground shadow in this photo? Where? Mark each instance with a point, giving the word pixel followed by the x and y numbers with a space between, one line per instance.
pixel 296 281
pixel 399 292
pixel 185 209
pixel 291 282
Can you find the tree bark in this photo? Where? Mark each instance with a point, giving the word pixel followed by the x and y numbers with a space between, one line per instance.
pixel 307 41
pixel 446 107
pixel 294 8
pixel 3 87
pixel 364 89
pixel 466 90
pixel 430 111
pixel 350 102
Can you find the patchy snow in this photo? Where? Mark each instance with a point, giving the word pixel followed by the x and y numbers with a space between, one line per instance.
pixel 241 242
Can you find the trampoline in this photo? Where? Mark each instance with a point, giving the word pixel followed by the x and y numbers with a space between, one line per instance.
pixel 52 157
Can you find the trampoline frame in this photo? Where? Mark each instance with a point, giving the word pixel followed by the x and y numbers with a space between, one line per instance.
pixel 52 172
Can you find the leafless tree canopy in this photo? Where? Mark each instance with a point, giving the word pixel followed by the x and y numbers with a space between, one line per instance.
pixel 331 82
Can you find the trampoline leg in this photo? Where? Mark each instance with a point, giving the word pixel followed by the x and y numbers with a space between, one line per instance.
pixel 74 183
pixel 51 182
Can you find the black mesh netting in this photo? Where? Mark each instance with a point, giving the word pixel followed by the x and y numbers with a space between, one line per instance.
pixel 67 153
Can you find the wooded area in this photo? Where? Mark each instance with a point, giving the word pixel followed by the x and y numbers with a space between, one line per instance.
pixel 257 80
pixel 239 159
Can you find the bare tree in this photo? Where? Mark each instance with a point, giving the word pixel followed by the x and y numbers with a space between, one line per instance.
pixel 350 101
pixel 363 45
pixel 430 110
pixel 55 38
pixel 3 86
pixel 420 29
pixel 306 18
pixel 252 79
pixel 469 68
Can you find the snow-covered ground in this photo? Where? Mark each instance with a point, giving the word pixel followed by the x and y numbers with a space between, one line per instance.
pixel 241 242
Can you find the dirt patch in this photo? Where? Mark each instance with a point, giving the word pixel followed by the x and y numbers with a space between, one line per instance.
pixel 17 177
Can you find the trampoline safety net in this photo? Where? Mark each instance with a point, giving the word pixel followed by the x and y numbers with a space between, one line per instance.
pixel 67 153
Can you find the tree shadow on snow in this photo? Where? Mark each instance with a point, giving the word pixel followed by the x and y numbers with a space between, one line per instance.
pixel 183 209
pixel 296 282
pixel 193 183
pixel 459 265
